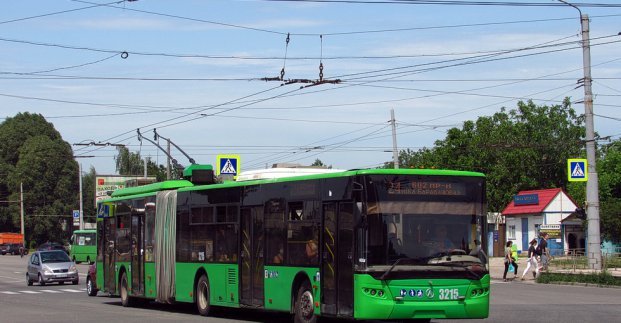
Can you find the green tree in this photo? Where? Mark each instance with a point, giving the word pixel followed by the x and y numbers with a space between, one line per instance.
pixel 609 173
pixel 131 163
pixel 43 163
pixel 88 195
pixel 523 148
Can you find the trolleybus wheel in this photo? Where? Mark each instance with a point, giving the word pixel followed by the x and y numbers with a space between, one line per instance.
pixel 202 296
pixel 304 311
pixel 125 298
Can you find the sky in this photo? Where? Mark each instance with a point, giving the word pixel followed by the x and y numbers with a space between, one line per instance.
pixel 205 74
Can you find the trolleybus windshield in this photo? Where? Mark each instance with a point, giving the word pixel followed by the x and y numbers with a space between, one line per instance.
pixel 417 223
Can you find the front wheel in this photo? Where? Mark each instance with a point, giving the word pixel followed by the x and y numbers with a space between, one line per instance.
pixel 304 311
pixel 90 289
pixel 125 299
pixel 202 296
pixel 28 281
pixel 41 281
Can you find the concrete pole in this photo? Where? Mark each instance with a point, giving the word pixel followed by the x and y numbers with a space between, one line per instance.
pixel 146 160
pixel 168 160
pixel 81 202
pixel 592 189
pixel 395 153
pixel 21 212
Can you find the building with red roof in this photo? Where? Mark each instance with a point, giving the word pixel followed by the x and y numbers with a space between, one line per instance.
pixel 534 212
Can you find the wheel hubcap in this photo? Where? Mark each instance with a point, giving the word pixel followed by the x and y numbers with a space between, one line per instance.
pixel 202 295
pixel 306 304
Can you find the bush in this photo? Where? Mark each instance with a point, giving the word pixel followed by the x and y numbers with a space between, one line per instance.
pixel 601 279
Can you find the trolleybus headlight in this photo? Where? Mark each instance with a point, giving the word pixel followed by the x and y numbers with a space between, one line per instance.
pixel 380 293
pixel 373 292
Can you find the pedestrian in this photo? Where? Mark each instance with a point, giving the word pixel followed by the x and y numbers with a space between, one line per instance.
pixel 545 252
pixel 509 261
pixel 21 251
pixel 532 260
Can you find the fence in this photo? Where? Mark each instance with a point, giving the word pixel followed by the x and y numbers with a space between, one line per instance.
pixel 575 259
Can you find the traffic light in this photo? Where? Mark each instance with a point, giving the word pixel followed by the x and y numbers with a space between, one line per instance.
pixel 581 213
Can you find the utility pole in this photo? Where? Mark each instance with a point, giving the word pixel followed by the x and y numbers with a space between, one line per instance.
pixel 146 161
pixel 81 227
pixel 592 189
pixel 21 212
pixel 168 160
pixel 395 153
pixel 81 204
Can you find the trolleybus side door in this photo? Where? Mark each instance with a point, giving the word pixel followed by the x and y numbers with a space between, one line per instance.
pixel 252 260
pixel 137 254
pixel 109 238
pixel 337 264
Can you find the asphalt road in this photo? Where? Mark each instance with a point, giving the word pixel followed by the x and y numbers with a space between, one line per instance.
pixel 511 302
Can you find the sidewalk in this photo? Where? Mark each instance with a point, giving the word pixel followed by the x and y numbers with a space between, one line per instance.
pixel 497 268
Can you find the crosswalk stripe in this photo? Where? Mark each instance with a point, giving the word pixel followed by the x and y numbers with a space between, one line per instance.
pixel 49 291
pixel 9 293
pixel 29 292
pixel 72 290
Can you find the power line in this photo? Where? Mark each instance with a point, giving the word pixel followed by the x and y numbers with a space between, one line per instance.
pixel 458 3
pixel 94 5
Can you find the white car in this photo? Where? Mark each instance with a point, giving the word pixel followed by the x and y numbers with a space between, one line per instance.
pixel 50 267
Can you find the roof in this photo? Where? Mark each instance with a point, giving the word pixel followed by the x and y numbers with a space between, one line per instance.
pixel 545 197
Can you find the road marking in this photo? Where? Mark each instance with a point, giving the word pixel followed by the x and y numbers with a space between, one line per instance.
pixel 9 293
pixel 49 291
pixel 29 292
pixel 72 290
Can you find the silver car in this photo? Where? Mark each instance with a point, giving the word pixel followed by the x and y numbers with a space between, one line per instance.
pixel 51 266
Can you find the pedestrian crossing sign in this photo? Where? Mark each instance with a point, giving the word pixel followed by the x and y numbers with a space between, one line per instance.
pixel 577 170
pixel 228 165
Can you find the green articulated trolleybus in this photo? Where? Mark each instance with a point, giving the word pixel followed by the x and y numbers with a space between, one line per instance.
pixel 381 244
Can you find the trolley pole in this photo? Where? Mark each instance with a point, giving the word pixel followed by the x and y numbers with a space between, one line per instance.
pixel 592 187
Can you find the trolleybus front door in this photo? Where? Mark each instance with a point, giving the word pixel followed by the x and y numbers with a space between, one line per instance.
pixel 109 239
pixel 137 255
pixel 251 266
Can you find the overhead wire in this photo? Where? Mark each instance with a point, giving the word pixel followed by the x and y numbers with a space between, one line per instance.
pixel 94 5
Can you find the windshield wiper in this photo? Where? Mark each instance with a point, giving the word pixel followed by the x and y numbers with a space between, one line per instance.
pixel 464 267
pixel 392 267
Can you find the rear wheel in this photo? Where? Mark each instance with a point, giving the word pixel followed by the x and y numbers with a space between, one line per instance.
pixel 125 299
pixel 202 296
pixel 90 289
pixel 41 281
pixel 304 311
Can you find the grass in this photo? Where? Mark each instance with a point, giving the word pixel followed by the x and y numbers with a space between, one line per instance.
pixel 600 279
